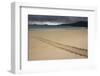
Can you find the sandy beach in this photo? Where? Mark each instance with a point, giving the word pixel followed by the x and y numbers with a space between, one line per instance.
pixel 52 44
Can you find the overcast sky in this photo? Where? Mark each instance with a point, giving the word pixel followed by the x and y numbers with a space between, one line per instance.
pixel 44 19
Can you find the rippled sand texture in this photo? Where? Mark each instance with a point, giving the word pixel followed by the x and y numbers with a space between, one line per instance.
pixel 53 44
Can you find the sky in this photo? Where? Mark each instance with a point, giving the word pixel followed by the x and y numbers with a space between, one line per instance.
pixel 54 20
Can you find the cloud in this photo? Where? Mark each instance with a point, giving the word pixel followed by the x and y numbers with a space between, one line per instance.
pixel 43 23
pixel 54 20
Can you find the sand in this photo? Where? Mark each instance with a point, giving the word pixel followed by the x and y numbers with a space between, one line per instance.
pixel 52 44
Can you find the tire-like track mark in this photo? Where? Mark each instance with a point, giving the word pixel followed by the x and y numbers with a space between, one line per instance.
pixel 71 49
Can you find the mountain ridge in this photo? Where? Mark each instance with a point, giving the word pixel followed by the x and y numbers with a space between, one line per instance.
pixel 77 24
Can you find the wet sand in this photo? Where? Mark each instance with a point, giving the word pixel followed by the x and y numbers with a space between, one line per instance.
pixel 58 44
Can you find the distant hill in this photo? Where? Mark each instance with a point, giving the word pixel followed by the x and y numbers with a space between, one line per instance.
pixel 77 24
pixel 80 24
